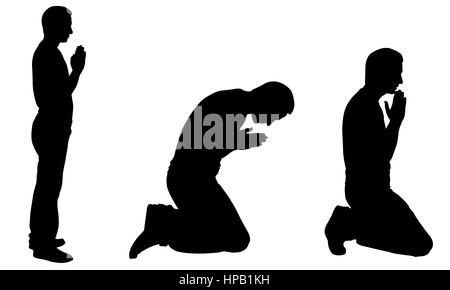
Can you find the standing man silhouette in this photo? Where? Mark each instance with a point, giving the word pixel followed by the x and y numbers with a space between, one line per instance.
pixel 205 220
pixel 53 87
pixel 378 217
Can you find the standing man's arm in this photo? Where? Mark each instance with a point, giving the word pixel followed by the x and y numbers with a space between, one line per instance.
pixel 77 62
pixel 396 114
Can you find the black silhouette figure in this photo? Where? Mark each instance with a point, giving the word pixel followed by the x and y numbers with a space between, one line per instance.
pixel 377 217
pixel 53 87
pixel 205 220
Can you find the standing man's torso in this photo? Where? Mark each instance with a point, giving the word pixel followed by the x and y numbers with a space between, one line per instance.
pixel 51 86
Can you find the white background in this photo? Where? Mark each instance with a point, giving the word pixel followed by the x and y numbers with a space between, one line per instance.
pixel 150 62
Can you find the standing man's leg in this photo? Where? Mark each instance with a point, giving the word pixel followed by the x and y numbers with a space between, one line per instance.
pixel 44 220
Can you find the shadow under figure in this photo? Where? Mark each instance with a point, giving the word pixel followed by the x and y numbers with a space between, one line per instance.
pixel 377 217
pixel 53 87
pixel 205 220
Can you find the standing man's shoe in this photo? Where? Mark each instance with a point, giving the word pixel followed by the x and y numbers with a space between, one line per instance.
pixel 52 255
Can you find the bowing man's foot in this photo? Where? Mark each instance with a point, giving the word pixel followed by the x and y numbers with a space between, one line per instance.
pixel 142 243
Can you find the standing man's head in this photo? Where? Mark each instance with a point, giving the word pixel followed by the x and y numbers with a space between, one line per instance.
pixel 272 98
pixel 57 23
pixel 384 70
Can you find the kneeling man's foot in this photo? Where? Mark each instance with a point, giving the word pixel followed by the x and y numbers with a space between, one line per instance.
pixel 335 243
pixel 337 231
